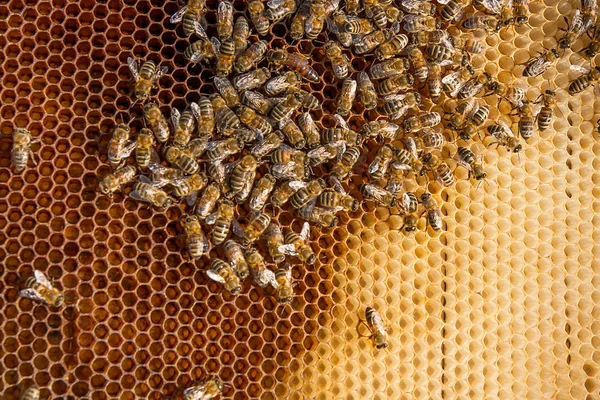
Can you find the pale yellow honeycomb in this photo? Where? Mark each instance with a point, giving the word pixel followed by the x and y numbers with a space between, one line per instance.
pixel 503 303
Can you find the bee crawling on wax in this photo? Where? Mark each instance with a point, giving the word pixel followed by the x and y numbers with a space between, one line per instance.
pixel 379 332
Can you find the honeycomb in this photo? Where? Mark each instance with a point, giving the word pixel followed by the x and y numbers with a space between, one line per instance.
pixel 501 304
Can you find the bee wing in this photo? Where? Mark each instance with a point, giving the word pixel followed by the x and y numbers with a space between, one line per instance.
pixel 332 27
pixel 212 218
pixel 506 128
pixel 297 185
pixel 145 179
pixel 305 233
pixel 195 110
pixel 178 16
pixel 337 185
pixel 406 201
pixel 536 108
pixel 216 44
pixel 160 72
pixel 135 195
pixel 212 274
pixel 411 146
pixel 175 117
pixel 375 192
pixel 458 159
pixel 133 67
pixel 443 1
pixel 31 294
pixel 580 68
pixel 224 12
pixel 494 6
pixel 191 199
pixel 237 228
pixel 245 82
pixel 196 391
pixel 41 278
pixel 288 249
pixel 127 150
pixel 269 277
pixel 275 3
pixel 277 84
pixel 340 120
pixel 199 29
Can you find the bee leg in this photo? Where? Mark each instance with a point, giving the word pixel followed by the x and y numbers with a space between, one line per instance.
pixel 32 157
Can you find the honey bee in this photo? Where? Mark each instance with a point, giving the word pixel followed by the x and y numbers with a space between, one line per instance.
pixel 285 292
pixel 291 171
pixel 462 112
pixel 256 227
pixel 377 14
pixel 409 208
pixel 297 30
pixel 146 191
pixel 421 121
pixel 418 63
pixel 512 93
pixel 466 44
pixel 256 8
pixel 589 13
pixel 336 24
pixel 189 186
pixel 295 245
pixel 275 240
pixel 308 193
pixel 453 9
pixel 206 390
pixel 379 331
pixel 342 133
pixel 295 62
pixel 208 201
pixel 367 43
pixel 382 127
pixel 145 78
pixel 119 147
pixel 584 81
pixel 366 91
pixel 309 129
pixel 394 85
pixel 467 159
pixel 538 65
pixel 201 50
pixel 418 7
pixel 379 165
pixel 253 120
pixel 310 101
pixel 574 30
pixel 504 136
pixel 222 220
pixel 221 149
pixel 114 181
pixel 593 47
pixel 279 9
pixel 443 173
pixel 434 81
pixel 269 143
pixel 321 216
pixel 225 118
pixel 288 81
pixel 260 273
pixel 223 273
pixel 284 109
pixel 251 56
pixel 40 289
pixel 474 85
pixel 241 31
pixel 31 393
pixel 184 124
pixel 227 91
pixel 156 122
pixel 391 48
pixel 261 192
pixel 181 159
pixel 434 216
pixel 377 194
pixel 251 80
pixel 548 101
pixel 196 240
pixel 243 173
pixel 192 16
pixel 258 102
pixel 144 147
pixel 343 167
pixel 396 106
pixel 285 191
pixel 418 23
pixel 347 95
pixel 235 254
pixel 285 154
pixel 162 176
pixel 358 26
pixel 471 120
pixel 454 82
pixel 527 117
pixel 324 153
pixel 339 61
pixel 424 38
pixel 225 19
pixel 292 133
pixel 482 21
pixel 317 13
pixel 337 199
pixel 225 56
pixel 389 68
pixel 445 54
pixel 21 151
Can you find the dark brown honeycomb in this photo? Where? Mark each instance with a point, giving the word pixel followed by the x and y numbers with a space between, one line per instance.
pixel 141 321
